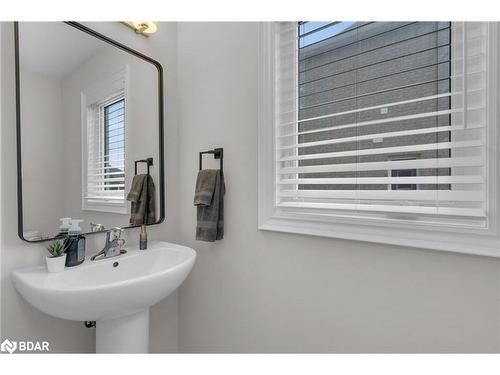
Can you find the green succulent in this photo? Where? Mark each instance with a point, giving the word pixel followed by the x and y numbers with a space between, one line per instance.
pixel 56 248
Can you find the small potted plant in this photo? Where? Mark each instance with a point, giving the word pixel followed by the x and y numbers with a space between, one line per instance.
pixel 57 257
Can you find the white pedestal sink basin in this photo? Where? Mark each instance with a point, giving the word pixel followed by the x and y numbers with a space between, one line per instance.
pixel 115 292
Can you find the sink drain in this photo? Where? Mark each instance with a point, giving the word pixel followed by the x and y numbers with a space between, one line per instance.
pixel 115 264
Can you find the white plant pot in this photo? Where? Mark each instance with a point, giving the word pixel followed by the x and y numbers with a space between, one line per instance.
pixel 56 264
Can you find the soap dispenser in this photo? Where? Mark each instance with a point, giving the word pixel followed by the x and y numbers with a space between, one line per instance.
pixel 64 227
pixel 74 244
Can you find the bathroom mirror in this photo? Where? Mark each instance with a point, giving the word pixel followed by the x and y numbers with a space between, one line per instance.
pixel 89 119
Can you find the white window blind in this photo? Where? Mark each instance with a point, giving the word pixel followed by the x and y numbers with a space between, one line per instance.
pixel 383 119
pixel 104 187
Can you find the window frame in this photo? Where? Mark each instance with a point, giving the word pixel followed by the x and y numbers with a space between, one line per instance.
pixel 104 93
pixel 389 230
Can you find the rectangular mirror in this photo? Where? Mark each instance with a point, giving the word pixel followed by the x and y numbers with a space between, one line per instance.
pixel 89 119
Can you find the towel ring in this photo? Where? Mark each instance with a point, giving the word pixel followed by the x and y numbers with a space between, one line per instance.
pixel 218 154
pixel 148 161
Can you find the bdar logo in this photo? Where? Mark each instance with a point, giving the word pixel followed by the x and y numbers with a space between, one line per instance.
pixel 24 346
pixel 8 346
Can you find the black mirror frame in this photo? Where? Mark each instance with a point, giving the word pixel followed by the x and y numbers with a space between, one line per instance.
pixel 161 163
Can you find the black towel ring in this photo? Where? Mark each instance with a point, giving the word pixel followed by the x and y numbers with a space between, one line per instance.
pixel 148 161
pixel 218 154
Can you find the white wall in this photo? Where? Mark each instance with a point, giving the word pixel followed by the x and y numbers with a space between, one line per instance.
pixel 21 321
pixel 259 291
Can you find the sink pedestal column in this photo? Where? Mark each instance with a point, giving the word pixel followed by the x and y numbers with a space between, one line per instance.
pixel 127 334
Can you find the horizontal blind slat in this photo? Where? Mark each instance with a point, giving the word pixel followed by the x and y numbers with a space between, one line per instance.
pixel 370 108
pixel 396 164
pixel 426 210
pixel 429 130
pixel 413 195
pixel 385 180
pixel 388 150
pixel 374 122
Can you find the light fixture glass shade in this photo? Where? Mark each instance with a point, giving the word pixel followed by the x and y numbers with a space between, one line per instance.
pixel 145 28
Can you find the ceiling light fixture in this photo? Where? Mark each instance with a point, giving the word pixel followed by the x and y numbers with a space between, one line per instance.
pixel 145 28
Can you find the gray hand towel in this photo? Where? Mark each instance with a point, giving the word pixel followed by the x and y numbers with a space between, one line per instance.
pixel 209 200
pixel 205 187
pixel 142 195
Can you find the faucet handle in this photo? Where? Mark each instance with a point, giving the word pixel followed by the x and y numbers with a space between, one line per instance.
pixel 116 233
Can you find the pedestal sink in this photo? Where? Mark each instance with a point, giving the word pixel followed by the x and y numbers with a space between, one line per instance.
pixel 116 292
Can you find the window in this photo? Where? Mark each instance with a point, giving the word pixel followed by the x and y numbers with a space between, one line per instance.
pixel 104 161
pixel 371 129
pixel 404 173
pixel 114 146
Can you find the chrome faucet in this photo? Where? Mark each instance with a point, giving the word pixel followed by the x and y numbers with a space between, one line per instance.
pixel 113 246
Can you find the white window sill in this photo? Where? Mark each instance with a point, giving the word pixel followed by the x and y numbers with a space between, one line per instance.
pixel 108 208
pixel 460 241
